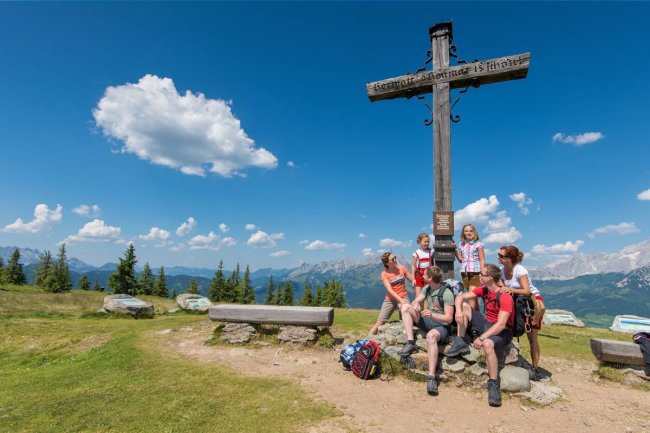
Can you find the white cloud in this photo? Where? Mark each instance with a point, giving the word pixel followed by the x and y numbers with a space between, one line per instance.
pixel 303 242
pixel 621 229
pixel 322 245
pixel 281 253
pixel 186 227
pixel 644 195
pixel 156 234
pixel 292 164
pixel 369 252
pixel 276 236
pixel 477 212
pixel 190 133
pixel 566 248
pixel 362 236
pixel 95 231
pixel 87 211
pixel 392 243
pixel 44 218
pixel 250 227
pixel 224 228
pixel 228 242
pixel 522 201
pixel 507 237
pixel 579 139
pixel 500 223
pixel 261 239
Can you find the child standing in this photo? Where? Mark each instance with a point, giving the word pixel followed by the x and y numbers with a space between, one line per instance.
pixel 422 259
pixel 471 256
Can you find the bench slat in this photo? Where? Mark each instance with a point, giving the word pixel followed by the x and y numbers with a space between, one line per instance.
pixel 272 314
pixel 619 352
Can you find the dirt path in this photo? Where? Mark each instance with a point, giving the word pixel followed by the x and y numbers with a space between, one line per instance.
pixel 403 405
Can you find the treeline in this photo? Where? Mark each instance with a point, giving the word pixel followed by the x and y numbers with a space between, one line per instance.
pixel 13 272
pixel 331 294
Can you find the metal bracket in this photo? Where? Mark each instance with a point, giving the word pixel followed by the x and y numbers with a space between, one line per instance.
pixel 476 84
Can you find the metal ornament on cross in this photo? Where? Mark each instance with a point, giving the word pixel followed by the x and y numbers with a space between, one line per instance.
pixel 439 81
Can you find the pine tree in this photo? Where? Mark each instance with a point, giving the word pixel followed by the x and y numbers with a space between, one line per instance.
pixel 194 287
pixel 248 294
pixel 83 283
pixel 318 300
pixel 174 294
pixel 97 287
pixel 123 279
pixel 232 292
pixel 2 271
pixel 307 298
pixel 58 278
pixel 44 268
pixel 14 273
pixel 268 297
pixel 277 295
pixel 287 294
pixel 146 281
pixel 333 295
pixel 218 285
pixel 161 284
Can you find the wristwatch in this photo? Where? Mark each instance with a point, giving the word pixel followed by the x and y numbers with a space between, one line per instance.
pixel 481 338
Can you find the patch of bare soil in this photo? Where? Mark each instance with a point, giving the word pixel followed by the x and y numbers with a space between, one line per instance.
pixel 377 406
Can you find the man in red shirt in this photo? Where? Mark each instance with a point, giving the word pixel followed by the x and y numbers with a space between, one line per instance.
pixel 490 332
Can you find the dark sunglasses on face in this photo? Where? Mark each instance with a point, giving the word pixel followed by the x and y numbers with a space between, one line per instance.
pixel 501 256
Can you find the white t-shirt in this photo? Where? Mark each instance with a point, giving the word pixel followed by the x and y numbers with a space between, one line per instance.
pixel 422 258
pixel 517 272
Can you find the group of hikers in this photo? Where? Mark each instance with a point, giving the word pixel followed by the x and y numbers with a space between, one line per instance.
pixel 435 308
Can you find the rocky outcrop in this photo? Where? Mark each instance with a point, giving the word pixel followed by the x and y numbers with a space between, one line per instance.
pixel 193 302
pixel 129 305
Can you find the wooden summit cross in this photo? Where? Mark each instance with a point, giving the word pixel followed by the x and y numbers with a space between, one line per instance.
pixel 439 81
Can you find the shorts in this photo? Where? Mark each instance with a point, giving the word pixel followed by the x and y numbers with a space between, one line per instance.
pixel 419 280
pixel 427 324
pixel 471 279
pixel 538 325
pixel 479 325
pixel 387 309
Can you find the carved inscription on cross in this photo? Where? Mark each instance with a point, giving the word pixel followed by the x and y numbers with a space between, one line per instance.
pixel 439 81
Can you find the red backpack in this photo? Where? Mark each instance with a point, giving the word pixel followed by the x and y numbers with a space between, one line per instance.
pixel 365 363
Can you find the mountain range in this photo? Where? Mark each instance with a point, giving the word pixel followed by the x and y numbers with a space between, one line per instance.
pixel 595 287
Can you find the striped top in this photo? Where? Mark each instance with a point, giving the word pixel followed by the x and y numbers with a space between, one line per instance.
pixel 469 250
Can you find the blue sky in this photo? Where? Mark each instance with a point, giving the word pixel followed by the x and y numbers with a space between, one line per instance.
pixel 242 131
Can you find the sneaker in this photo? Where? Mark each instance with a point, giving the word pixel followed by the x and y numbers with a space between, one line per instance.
pixel 407 349
pixel 458 347
pixel 494 393
pixel 432 385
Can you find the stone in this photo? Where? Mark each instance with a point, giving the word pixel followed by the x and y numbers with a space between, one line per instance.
pixel 392 351
pixel 514 379
pixel 473 356
pixel 454 365
pixel 478 369
pixel 542 393
pixel 561 317
pixel 193 302
pixel 297 334
pixel 421 360
pixel 237 332
pixel 512 354
pixel 129 305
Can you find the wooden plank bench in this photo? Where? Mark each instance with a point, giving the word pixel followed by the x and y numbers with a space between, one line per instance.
pixel 272 314
pixel 619 352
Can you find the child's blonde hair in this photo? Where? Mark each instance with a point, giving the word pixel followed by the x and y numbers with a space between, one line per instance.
pixel 462 233
pixel 422 236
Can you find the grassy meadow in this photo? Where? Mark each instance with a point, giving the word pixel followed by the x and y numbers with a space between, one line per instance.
pixel 65 368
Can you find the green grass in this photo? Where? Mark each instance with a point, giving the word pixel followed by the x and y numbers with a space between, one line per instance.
pixel 72 372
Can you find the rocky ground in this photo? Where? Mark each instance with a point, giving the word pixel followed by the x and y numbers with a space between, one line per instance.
pixel 586 403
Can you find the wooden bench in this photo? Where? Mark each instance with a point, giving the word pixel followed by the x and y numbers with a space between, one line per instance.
pixel 272 314
pixel 619 352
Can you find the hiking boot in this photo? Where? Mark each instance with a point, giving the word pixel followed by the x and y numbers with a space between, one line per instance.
pixel 432 385
pixel 407 349
pixel 458 347
pixel 494 393
pixel 535 374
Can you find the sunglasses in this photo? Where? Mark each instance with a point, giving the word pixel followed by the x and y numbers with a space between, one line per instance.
pixel 484 275
pixel 392 259
pixel 501 256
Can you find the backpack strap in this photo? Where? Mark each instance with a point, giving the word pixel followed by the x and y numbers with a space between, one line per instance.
pixel 441 292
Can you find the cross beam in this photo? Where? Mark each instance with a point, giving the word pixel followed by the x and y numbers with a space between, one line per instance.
pixel 439 81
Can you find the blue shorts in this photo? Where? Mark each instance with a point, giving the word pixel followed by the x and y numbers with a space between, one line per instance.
pixel 427 324
pixel 479 324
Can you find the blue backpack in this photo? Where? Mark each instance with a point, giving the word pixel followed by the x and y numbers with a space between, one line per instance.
pixel 349 351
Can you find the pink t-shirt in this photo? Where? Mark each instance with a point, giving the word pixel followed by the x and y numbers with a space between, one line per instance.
pixel 397 281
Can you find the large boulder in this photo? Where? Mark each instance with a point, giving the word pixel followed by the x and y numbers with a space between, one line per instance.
pixel 561 317
pixel 297 334
pixel 193 302
pixel 514 379
pixel 127 304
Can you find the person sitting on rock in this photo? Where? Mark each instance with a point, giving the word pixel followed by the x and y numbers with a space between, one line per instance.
pixel 435 321
pixel 490 332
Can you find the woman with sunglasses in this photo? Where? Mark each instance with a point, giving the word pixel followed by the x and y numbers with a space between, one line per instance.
pixel 517 282
pixel 394 279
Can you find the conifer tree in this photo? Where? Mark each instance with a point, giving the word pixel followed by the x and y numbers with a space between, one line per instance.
pixel 146 281
pixel 248 294
pixel 174 294
pixel 287 294
pixel 307 298
pixel 278 295
pixel 232 292
pixel 58 278
pixel 45 265
pixel 97 287
pixel 218 285
pixel 333 295
pixel 14 273
pixel 2 271
pixel 318 300
pixel 160 288
pixel 123 280
pixel 194 287
pixel 268 297
pixel 83 283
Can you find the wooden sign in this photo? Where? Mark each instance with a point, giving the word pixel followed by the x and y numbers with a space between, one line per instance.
pixel 443 223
